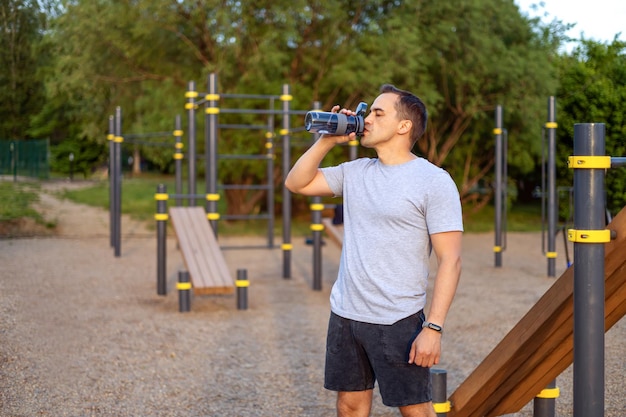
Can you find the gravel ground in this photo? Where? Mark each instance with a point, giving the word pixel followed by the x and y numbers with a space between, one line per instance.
pixel 83 333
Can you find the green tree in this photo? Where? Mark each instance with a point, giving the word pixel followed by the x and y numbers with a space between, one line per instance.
pixel 21 95
pixel 462 57
pixel 593 90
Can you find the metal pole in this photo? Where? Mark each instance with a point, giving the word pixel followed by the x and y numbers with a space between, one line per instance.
pixel 242 285
pixel 317 227
pixel 117 212
pixel 286 246
pixel 161 220
pixel 184 292
pixel 178 158
pixel 589 238
pixel 497 249
pixel 552 196
pixel 110 138
pixel 269 149
pixel 191 164
pixel 354 148
pixel 544 404
pixel 439 380
pixel 210 152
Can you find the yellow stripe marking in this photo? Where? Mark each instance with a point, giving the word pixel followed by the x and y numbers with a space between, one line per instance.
pixel 589 162
pixel 589 236
pixel 549 393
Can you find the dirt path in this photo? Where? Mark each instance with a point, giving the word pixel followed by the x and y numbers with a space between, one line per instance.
pixel 83 333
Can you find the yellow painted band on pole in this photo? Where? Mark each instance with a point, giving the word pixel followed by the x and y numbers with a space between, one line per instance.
pixel 283 132
pixel 191 94
pixel 179 145
pixel 190 106
pixel 212 197
pixel 213 216
pixel 118 139
pixel 213 97
pixel 497 249
pixel 286 246
pixel 269 135
pixel 178 133
pixel 179 156
pixel 549 393
pixel 353 143
pixel 589 162
pixel 317 207
pixel 317 227
pixel 497 131
pixel 242 283
pixel 161 196
pixel 551 255
pixel 110 136
pixel 269 145
pixel 183 286
pixel 212 110
pixel 551 125
pixel 442 408
pixel 161 217
pixel 286 97
pixel 589 236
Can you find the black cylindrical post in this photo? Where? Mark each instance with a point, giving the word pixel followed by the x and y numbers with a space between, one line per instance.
pixel 439 379
pixel 184 292
pixel 552 196
pixel 317 227
pixel 285 133
pixel 497 249
pixel 544 404
pixel 110 138
pixel 161 218
pixel 270 155
pixel 354 149
pixel 178 158
pixel 210 152
pixel 191 95
pixel 117 210
pixel 589 236
pixel 242 285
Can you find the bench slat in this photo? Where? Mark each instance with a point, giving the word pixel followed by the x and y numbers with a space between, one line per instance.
pixel 203 258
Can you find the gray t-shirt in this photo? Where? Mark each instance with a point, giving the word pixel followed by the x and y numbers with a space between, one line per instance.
pixel 390 211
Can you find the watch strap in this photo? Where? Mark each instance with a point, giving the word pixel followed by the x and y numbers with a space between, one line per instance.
pixel 432 326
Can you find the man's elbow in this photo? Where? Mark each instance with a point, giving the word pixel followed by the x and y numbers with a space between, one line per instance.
pixel 289 184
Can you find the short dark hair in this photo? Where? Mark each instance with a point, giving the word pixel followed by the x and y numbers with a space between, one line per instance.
pixel 409 107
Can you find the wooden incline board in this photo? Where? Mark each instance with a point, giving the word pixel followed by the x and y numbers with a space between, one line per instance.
pixel 540 347
pixel 201 253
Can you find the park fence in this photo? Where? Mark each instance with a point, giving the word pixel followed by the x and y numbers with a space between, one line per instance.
pixel 28 158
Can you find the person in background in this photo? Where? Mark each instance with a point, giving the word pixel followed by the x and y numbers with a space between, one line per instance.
pixel 398 208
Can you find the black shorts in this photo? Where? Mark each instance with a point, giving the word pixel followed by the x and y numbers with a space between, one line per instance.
pixel 359 354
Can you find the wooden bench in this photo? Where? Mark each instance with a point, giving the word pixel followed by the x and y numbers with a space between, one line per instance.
pixel 334 231
pixel 541 346
pixel 201 253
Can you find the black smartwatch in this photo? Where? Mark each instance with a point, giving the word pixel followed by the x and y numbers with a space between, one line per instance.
pixel 432 326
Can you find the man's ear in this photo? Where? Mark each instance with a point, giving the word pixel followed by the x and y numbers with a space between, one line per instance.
pixel 405 127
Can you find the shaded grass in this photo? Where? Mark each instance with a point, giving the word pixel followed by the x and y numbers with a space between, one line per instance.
pixel 519 218
pixel 17 200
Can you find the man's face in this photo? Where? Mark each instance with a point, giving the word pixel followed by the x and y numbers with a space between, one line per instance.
pixel 381 123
